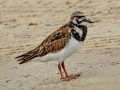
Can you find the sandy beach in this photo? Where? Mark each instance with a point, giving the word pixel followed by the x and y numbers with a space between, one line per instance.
pixel 24 24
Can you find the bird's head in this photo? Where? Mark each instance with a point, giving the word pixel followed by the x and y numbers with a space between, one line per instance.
pixel 78 17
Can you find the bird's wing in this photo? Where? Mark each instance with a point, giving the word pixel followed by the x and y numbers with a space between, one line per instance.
pixel 53 43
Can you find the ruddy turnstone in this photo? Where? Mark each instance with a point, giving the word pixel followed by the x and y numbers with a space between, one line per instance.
pixel 60 44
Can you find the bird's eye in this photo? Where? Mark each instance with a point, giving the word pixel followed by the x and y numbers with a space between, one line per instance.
pixel 78 16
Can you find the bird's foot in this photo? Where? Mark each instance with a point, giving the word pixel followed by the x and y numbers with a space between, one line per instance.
pixel 66 79
pixel 74 76
pixel 70 77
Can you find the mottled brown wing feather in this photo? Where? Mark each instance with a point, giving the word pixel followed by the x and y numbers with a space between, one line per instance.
pixel 53 43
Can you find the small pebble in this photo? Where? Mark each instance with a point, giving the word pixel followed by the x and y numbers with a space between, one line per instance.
pixel 7 81
pixel 47 25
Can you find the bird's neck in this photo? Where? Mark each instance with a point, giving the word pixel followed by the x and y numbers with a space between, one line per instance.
pixel 82 28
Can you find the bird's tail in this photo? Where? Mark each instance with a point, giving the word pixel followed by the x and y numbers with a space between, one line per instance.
pixel 27 56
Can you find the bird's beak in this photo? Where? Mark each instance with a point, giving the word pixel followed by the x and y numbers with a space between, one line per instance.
pixel 88 20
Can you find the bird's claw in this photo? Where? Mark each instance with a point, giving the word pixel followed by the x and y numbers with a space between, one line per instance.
pixel 70 77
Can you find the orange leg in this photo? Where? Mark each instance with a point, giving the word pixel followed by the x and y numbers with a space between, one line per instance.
pixel 63 66
pixel 59 67
pixel 63 78
pixel 68 77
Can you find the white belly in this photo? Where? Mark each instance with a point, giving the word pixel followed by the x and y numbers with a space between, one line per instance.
pixel 72 46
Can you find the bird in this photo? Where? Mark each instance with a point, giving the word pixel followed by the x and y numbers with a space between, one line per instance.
pixel 60 44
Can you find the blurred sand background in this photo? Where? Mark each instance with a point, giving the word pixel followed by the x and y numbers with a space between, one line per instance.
pixel 24 24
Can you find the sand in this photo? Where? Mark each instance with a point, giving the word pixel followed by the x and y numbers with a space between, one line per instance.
pixel 24 24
